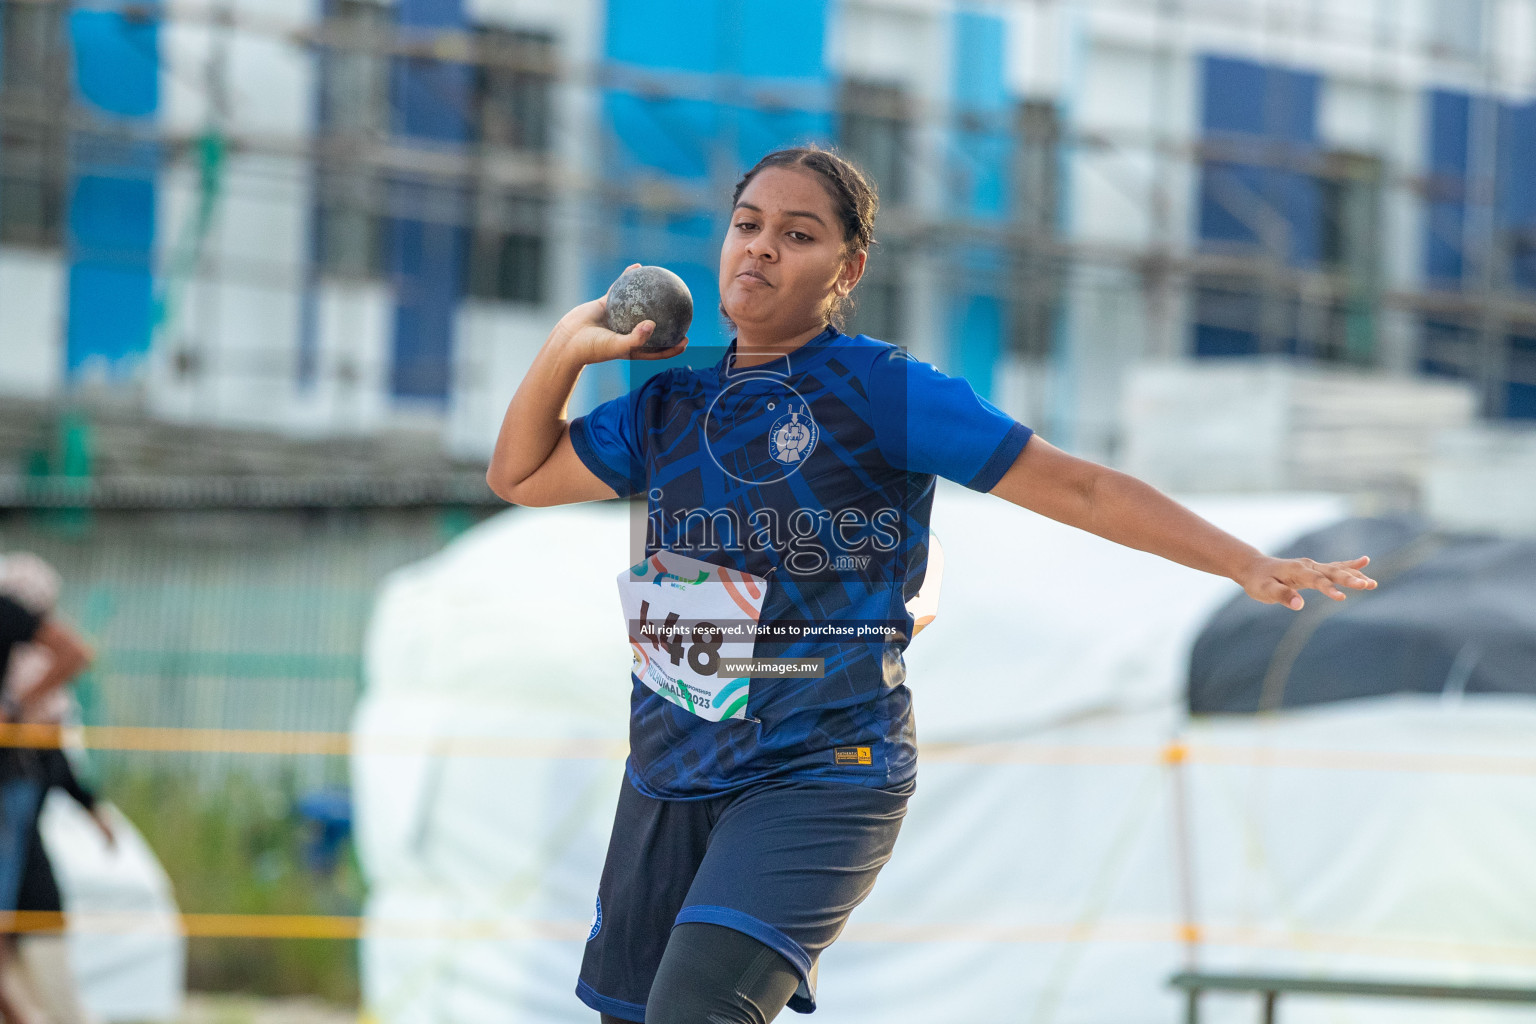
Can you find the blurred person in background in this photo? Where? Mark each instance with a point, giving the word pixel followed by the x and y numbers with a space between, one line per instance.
pixel 39 654
pixel 741 845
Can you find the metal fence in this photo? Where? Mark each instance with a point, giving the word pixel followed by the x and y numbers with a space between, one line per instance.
pixel 218 619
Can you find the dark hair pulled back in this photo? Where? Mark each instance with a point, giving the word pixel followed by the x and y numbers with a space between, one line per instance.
pixel 854 200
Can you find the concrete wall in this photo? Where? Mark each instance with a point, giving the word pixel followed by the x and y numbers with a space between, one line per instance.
pixel 1262 425
pixel 1483 479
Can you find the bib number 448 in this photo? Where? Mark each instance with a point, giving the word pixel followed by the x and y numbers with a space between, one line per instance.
pixel 682 615
pixel 699 644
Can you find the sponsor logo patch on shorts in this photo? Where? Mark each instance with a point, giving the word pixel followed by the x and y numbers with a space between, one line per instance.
pixel 852 755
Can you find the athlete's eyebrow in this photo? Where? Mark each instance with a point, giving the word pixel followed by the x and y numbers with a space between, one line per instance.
pixel 787 213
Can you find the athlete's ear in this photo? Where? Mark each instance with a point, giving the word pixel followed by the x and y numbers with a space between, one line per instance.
pixel 852 270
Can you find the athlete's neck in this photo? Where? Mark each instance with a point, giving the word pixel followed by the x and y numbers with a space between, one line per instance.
pixel 755 347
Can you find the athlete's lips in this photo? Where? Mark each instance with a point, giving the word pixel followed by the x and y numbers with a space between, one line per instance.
pixel 755 276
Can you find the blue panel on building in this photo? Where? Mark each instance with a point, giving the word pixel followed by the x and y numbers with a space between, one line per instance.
pixel 1450 125
pixel 1247 98
pixel 1299 198
pixel 679 35
pixel 980 79
pixel 778 50
pixel 1450 118
pixel 429 281
pixel 1520 392
pixel 1261 120
pixel 432 102
pixel 1444 225
pixel 433 99
pixel 982 140
pixel 981 174
pixel 111 316
pixel 978 326
pixel 1234 96
pixel 671 136
pixel 679 137
pixel 1517 163
pixel 1517 189
pixel 117 61
pixel 112 218
pixel 760 132
pixel 799 31
pixel 981 157
pixel 1252 107
pixel 1450 348
pixel 1228 194
pixel 430 13
pixel 1292 104
pixel 112 198
pixel 779 46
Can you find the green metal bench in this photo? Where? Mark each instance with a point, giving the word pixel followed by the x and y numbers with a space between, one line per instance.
pixel 1271 987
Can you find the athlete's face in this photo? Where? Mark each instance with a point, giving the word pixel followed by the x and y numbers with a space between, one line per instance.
pixel 783 259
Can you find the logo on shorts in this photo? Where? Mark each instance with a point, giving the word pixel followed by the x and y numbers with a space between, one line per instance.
pixel 597 920
pixel 793 436
pixel 852 755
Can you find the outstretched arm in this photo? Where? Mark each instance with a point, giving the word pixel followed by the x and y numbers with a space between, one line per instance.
pixel 1122 509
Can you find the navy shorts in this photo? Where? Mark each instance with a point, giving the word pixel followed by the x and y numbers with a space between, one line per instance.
pixel 784 861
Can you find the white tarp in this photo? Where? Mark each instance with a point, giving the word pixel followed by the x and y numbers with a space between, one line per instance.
pixel 124 932
pixel 1038 874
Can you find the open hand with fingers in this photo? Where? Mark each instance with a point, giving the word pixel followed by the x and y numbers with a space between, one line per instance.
pixel 1281 580
pixel 587 333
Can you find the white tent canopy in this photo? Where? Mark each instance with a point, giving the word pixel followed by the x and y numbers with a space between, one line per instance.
pixel 1038 875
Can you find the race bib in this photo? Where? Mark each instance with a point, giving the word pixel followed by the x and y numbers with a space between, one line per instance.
pixel 683 616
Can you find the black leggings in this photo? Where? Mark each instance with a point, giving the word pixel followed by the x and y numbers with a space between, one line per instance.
pixel 715 975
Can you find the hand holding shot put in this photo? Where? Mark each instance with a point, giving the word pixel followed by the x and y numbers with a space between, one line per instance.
pixel 534 460
pixel 652 295
pixel 646 322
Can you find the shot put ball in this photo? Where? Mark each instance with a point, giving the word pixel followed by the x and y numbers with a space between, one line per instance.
pixel 651 293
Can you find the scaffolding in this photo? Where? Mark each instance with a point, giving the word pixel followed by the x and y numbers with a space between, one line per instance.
pixel 509 185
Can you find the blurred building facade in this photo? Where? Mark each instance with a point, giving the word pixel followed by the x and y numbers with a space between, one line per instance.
pixel 332 218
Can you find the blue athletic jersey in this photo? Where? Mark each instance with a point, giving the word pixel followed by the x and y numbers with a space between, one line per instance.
pixel 815 471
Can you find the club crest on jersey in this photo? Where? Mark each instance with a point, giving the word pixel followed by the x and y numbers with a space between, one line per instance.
pixel 793 436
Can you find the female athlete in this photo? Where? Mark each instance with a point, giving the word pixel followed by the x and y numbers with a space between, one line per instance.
pixel 800 466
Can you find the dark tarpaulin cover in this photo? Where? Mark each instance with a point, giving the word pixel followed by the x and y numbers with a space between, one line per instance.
pixel 1453 614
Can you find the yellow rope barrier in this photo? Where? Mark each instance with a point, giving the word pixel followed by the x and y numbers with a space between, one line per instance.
pixel 1180 752
pixel 340 744
pixel 317 926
